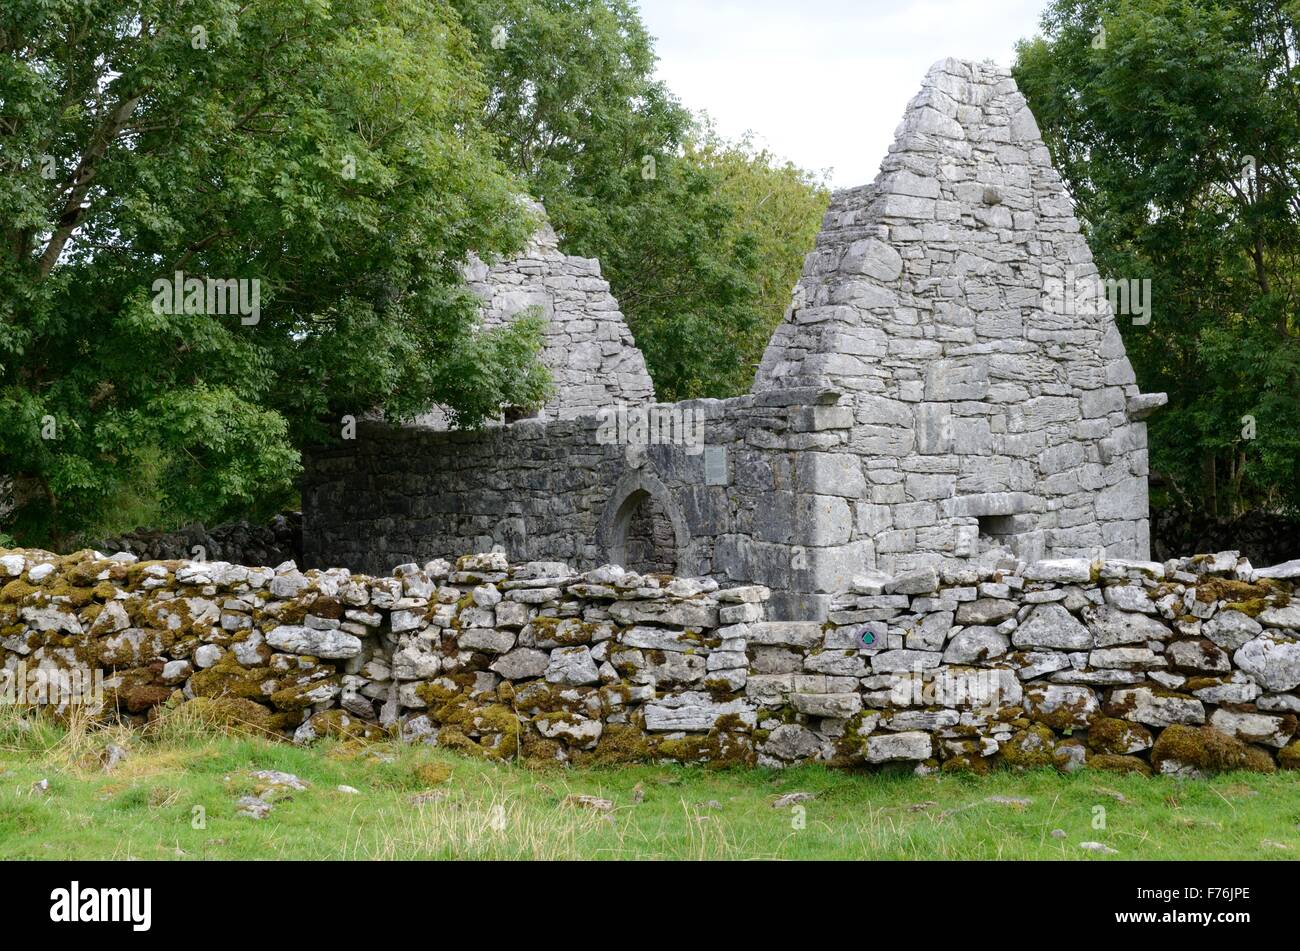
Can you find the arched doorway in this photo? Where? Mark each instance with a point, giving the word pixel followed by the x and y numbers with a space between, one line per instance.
pixel 643 530
pixel 648 542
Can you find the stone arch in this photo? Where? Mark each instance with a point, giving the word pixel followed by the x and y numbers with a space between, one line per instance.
pixel 640 499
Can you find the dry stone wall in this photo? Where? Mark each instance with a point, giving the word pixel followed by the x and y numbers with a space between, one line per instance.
pixel 1185 667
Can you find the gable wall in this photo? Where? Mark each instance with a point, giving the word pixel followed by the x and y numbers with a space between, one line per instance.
pixel 927 301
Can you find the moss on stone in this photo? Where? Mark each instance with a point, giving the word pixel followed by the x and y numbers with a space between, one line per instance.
pixel 83 569
pixel 971 763
pixel 229 678
pixel 1207 750
pixel 1030 748
pixel 620 744
pixel 536 749
pixel 472 717
pixel 232 715
pixel 720 690
pixel 1289 756
pixel 1252 608
pixel 22 593
pixel 563 632
pixel 1110 735
pixel 301 696
pixel 716 749
pixel 1231 590
pixel 432 774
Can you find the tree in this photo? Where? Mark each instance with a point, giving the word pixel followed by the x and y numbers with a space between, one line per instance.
pixel 325 162
pixel 700 240
pixel 779 208
pixel 1176 126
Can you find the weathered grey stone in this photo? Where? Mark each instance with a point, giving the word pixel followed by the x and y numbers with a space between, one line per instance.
pixel 1198 655
pixel 922 581
pixel 289 585
pixel 790 742
pixel 175 671
pixel 580 732
pixel 904 660
pixel 1125 658
pixel 675 668
pixel 485 639
pixel 521 663
pixel 975 645
pixel 1050 625
pixel 305 640
pixel 985 611
pixel 1286 570
pixel 893 747
pixel 1033 664
pixel 207 655
pixel 1130 598
pixel 873 258
pixel 1060 706
pixel 1231 629
pixel 792 633
pixel 1272 660
pixel 1061 570
pixel 573 666
pixel 839 705
pixel 1255 727
pixel 930 632
pixel 1111 627
pixel 660 639
pixel 51 618
pixel 1143 705
pixel 1288 617
pixel 693 711
pixel 674 613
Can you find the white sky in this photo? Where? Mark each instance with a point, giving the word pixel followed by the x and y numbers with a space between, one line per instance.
pixel 823 82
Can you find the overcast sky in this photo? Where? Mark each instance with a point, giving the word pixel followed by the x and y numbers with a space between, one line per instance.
pixel 823 82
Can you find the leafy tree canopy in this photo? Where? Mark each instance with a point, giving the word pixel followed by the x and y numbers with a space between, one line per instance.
pixel 333 152
pixel 701 240
pixel 1176 126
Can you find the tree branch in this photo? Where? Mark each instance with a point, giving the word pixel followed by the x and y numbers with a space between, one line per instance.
pixel 74 209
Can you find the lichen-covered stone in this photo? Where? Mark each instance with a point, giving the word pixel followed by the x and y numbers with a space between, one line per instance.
pixel 1272 659
pixel 1061 707
pixel 332 644
pixel 1110 736
pixel 890 677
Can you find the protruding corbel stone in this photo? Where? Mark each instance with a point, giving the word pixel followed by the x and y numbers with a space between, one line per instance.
pixel 1144 404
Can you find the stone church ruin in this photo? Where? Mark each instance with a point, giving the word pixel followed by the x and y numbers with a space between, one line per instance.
pixel 927 400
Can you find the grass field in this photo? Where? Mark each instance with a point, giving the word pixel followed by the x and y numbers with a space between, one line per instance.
pixel 174 796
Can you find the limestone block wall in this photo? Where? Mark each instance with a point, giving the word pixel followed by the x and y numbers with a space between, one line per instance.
pixel 586 342
pixel 992 401
pixel 1184 668
pixel 761 498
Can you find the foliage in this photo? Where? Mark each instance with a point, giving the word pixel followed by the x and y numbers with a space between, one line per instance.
pixel 701 240
pixel 334 152
pixel 1176 126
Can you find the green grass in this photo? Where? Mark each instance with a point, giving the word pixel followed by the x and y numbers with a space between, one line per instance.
pixel 146 808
